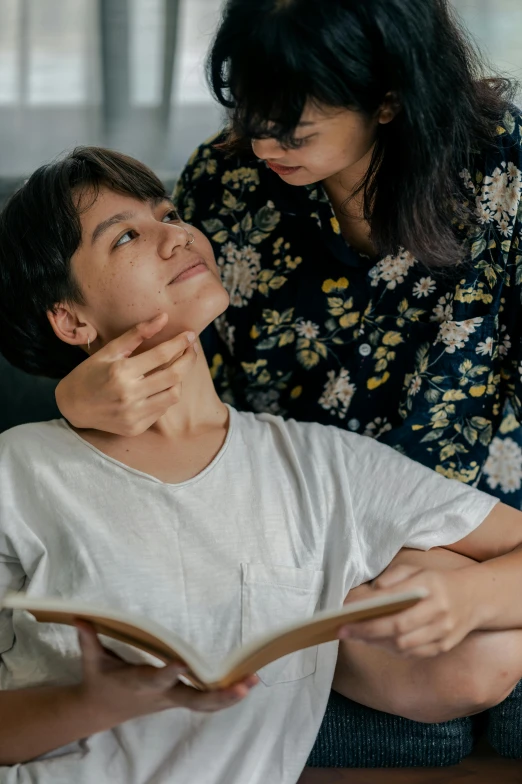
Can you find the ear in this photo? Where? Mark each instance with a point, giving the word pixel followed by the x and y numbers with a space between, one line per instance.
pixel 70 327
pixel 389 109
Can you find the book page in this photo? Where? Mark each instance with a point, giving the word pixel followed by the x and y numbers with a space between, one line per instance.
pixel 154 639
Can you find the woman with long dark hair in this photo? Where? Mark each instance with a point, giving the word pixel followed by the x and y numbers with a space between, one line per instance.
pixel 363 205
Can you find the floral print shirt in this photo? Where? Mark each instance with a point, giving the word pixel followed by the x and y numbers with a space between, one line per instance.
pixel 428 361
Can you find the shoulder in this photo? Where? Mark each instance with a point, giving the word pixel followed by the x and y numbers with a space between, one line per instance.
pixel 30 443
pixel 494 178
pixel 509 131
pixel 506 144
pixel 306 441
pixel 211 166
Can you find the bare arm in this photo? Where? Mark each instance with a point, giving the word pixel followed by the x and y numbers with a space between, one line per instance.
pixel 482 596
pixel 496 582
pixel 35 721
pixel 38 720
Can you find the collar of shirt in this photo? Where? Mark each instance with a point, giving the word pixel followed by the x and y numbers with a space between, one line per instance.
pixel 311 202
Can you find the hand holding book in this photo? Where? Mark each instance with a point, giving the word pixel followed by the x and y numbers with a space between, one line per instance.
pixel 240 664
pixel 121 691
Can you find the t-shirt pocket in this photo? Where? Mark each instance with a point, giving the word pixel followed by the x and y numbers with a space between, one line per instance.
pixel 275 596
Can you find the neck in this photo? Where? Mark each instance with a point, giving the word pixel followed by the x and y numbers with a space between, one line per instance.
pixel 198 408
pixel 349 209
pixel 342 185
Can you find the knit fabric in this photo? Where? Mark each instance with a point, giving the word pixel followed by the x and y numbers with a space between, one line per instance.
pixel 354 736
pixel 504 727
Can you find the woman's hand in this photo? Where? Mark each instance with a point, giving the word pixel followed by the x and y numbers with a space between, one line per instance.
pixel 118 393
pixel 122 691
pixel 434 625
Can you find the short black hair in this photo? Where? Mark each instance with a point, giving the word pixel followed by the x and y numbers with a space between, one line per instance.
pixel 271 57
pixel 40 231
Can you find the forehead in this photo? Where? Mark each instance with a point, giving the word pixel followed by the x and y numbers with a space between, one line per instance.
pixel 91 201
pixel 95 205
pixel 319 114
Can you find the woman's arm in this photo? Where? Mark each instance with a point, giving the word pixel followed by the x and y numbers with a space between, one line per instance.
pixel 495 582
pixel 38 720
pixel 482 596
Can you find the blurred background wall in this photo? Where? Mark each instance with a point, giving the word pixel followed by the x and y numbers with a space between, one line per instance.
pixel 128 74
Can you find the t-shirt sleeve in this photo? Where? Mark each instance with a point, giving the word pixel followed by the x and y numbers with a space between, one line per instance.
pixel 397 503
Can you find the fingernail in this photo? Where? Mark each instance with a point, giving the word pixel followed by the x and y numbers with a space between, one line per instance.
pixel 191 337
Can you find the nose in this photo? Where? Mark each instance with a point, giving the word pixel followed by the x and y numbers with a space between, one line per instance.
pixel 267 149
pixel 171 237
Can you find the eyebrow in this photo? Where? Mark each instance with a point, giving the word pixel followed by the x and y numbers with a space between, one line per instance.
pixel 306 122
pixel 120 217
pixel 102 227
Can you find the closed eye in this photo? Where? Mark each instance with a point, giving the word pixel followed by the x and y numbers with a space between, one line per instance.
pixel 295 144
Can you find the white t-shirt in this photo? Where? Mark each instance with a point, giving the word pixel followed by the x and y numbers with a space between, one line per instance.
pixel 285 521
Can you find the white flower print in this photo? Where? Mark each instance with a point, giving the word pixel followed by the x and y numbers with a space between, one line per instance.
pixel 455 333
pixel 264 401
pixel 424 287
pixel 392 269
pixel 485 348
pixel 338 393
pixel 239 270
pixel 443 310
pixel 415 385
pixel 506 342
pixel 376 428
pixel 229 251
pixel 468 182
pixel 504 465
pixel 307 329
pixel 499 198
pixel 225 332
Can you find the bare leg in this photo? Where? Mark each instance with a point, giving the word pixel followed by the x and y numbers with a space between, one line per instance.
pixel 474 676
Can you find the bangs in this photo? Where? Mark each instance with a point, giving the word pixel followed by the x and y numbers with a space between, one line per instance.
pixel 89 169
pixel 270 64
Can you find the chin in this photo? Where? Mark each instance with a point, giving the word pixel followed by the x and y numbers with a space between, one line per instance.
pixel 200 312
pixel 303 178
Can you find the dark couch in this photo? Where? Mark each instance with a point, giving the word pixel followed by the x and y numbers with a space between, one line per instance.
pixel 24 398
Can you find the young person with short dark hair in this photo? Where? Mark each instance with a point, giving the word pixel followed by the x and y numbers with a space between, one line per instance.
pixel 363 206
pixel 212 522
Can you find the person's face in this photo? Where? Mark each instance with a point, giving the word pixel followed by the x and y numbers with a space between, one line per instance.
pixel 136 260
pixel 329 141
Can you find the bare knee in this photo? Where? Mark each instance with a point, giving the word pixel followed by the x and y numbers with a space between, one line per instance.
pixel 455 686
pixel 444 705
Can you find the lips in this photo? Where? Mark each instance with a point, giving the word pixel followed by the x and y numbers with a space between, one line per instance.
pixel 282 170
pixel 189 266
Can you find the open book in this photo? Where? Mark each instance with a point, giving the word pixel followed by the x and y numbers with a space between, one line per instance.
pixel 158 641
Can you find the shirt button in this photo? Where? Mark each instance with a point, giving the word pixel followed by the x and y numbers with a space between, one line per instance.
pixel 354 424
pixel 365 349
